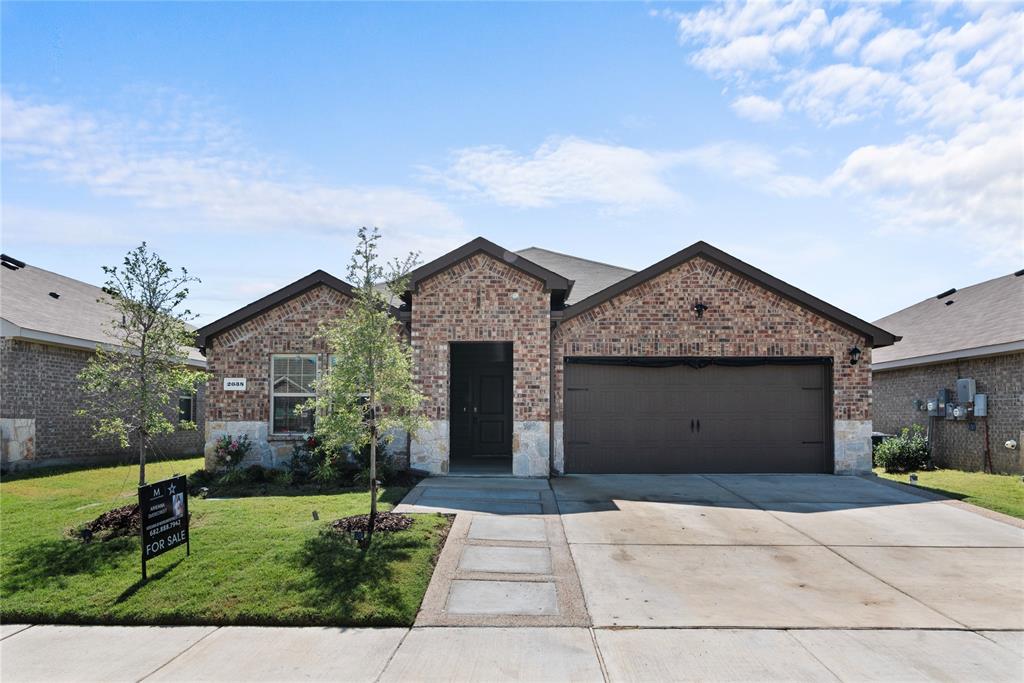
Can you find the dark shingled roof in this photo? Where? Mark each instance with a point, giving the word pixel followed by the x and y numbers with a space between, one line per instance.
pixel 590 276
pixel 76 318
pixel 983 319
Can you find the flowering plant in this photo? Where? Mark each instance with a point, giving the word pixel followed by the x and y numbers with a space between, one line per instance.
pixel 230 451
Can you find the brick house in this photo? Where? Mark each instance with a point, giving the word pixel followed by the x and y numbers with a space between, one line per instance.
pixel 49 327
pixel 975 333
pixel 535 363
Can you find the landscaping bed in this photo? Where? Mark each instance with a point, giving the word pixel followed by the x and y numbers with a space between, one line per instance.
pixel 1000 492
pixel 259 559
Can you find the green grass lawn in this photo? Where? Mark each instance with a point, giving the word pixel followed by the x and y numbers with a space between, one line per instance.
pixel 1000 492
pixel 255 560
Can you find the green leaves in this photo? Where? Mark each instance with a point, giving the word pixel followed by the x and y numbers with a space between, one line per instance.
pixel 129 382
pixel 369 389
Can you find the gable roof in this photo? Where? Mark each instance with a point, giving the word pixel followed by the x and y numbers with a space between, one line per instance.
pixel 876 336
pixel 553 282
pixel 982 319
pixel 314 279
pixel 589 276
pixel 77 317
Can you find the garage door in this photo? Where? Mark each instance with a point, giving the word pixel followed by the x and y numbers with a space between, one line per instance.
pixel 682 418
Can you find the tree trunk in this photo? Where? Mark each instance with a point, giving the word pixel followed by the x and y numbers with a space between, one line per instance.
pixel 373 482
pixel 142 459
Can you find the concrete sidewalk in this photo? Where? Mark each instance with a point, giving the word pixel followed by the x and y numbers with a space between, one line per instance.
pixel 112 653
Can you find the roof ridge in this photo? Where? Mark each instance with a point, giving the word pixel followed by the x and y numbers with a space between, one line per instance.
pixel 578 258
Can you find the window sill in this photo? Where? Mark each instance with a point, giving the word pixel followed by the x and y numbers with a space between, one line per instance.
pixel 286 437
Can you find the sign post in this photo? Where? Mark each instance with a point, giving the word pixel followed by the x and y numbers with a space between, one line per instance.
pixel 164 510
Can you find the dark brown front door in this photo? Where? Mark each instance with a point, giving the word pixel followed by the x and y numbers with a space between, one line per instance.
pixel 481 399
pixel 679 418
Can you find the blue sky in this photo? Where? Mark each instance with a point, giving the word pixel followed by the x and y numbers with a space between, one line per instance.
pixel 869 154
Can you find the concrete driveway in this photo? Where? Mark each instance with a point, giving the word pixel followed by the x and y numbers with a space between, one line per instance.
pixel 787 552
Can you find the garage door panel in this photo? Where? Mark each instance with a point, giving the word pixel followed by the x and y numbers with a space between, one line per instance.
pixel 754 418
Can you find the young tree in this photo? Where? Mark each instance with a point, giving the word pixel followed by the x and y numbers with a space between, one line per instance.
pixel 129 382
pixel 368 393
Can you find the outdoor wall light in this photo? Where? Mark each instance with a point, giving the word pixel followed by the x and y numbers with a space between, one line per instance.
pixel 699 309
pixel 854 355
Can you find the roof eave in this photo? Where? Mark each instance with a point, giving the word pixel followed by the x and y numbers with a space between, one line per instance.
pixel 949 356
pixel 286 293
pixel 552 280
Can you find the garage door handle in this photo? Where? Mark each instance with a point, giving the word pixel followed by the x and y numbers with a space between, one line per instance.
pixel 691 425
pixel 698 426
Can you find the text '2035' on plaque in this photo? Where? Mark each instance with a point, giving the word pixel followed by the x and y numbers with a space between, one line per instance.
pixel 164 509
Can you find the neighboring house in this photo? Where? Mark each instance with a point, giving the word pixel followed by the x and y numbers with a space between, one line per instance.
pixel 535 362
pixel 972 333
pixel 49 326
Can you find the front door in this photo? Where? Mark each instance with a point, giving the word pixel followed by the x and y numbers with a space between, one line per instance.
pixel 481 399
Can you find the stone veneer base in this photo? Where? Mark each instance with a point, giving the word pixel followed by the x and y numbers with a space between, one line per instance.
pixel 852 446
pixel 531 446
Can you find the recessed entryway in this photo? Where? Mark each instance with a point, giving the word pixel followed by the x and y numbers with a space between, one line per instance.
pixel 480 402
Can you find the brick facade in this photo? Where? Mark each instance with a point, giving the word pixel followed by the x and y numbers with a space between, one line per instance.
pixel 656 318
pixel 954 444
pixel 481 299
pixel 245 351
pixel 38 382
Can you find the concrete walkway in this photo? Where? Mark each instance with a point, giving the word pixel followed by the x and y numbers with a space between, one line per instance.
pixel 506 561
pixel 110 654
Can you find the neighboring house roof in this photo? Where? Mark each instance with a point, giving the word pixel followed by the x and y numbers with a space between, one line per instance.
pixel 588 276
pixel 983 319
pixel 553 282
pixel 76 317
pixel 314 279
pixel 876 336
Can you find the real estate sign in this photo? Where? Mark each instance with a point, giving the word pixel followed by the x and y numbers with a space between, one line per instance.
pixel 164 509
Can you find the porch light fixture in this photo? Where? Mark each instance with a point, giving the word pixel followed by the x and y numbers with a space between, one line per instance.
pixel 699 309
pixel 854 355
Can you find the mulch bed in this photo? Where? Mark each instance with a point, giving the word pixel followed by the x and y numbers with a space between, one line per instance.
pixel 385 522
pixel 122 521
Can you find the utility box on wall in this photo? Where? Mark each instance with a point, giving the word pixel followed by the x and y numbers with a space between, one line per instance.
pixel 965 390
pixel 981 405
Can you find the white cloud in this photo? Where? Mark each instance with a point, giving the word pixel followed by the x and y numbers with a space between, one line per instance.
pixel 562 170
pixel 757 108
pixel 891 47
pixel 573 170
pixel 953 88
pixel 182 160
pixel 969 185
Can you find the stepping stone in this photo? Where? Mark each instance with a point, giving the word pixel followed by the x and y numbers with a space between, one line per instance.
pixel 502 597
pixel 498 559
pixel 507 529
pixel 481 494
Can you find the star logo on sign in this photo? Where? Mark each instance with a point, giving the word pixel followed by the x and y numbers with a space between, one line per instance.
pixel 170 489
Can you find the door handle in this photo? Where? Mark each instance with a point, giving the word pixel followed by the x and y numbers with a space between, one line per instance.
pixel 691 425
pixel 698 426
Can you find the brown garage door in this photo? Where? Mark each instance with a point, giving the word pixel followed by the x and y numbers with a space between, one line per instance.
pixel 681 418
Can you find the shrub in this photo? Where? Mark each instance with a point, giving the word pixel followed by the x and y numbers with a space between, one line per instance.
pixel 230 451
pixel 904 453
pixel 312 461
